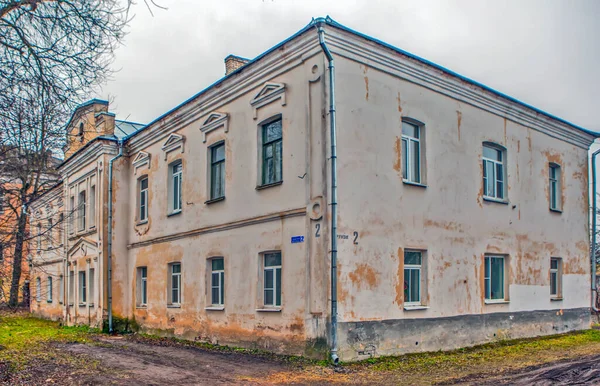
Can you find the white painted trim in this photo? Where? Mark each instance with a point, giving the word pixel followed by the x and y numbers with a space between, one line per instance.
pixel 214 121
pixel 269 93
pixel 173 142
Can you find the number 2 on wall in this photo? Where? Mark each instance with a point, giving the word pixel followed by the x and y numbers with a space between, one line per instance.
pixel 318 231
pixel 355 238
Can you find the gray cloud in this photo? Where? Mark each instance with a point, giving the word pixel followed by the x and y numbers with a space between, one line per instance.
pixel 544 53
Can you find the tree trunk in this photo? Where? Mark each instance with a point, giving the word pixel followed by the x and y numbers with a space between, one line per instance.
pixel 17 260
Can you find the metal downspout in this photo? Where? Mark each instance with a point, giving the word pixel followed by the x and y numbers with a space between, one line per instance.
pixel 332 129
pixel 594 221
pixel 110 218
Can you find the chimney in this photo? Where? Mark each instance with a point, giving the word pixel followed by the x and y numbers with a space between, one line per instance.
pixel 233 62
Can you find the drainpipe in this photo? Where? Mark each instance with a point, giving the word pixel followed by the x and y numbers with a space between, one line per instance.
pixel 594 221
pixel 110 218
pixel 332 129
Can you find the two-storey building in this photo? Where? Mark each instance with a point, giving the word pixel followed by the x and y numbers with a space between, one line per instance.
pixel 462 213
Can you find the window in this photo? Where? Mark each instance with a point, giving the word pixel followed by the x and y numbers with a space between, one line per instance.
pixel 411 152
pixel 1 252
pixel 80 132
pixel 175 189
pixel 60 225
pixel 71 214
pixel 92 206
pixel 71 288
pixel 272 279
pixel 175 284
pixel 143 203
pixel 61 289
pixel 493 172
pixel 494 280
pixel 39 237
pixel 217 171
pixel 50 232
pixel 82 288
pixel 217 282
pixel 555 191
pixel 81 210
pixel 49 290
pixel 412 277
pixel 556 278
pixel 271 152
pixel 91 285
pixel 38 289
pixel 142 287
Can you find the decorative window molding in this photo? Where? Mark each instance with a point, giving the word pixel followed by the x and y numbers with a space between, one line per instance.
pixel 268 94
pixel 214 121
pixel 174 142
pixel 142 158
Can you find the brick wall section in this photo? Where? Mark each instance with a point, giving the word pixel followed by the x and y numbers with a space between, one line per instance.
pixel 233 62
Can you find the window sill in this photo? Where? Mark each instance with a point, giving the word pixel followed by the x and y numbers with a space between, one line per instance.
pixel 496 200
pixel 556 210
pixel 91 305
pixel 213 200
pixel 556 299
pixel 174 213
pixel 412 183
pixel 274 309
pixel 265 186
pixel 415 308
pixel 173 305
pixel 48 301
pixel 141 222
pixel 215 308
pixel 141 307
pixel 82 304
pixel 496 302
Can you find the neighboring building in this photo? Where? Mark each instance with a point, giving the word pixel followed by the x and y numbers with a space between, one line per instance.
pixel 463 213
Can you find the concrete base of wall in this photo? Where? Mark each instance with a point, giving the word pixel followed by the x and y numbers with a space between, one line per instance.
pixel 360 340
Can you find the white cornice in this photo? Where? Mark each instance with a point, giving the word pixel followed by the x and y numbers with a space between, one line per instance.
pixel 355 48
pixel 269 93
pixel 141 159
pixel 174 142
pixel 83 159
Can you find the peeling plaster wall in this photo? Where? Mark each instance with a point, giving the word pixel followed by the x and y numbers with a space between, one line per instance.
pixel 449 217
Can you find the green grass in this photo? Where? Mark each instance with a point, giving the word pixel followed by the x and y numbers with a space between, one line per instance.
pixel 508 351
pixel 24 338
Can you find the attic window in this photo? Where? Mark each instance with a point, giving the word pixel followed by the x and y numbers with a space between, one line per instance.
pixel 80 133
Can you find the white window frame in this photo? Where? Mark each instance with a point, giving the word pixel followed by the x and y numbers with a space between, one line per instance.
pixel 488 278
pixel 554 179
pixel 175 181
pixel 273 271
pixel 142 287
pixel 220 285
pixel 407 156
pixel 414 267
pixel 217 185
pixel 49 289
pixel 174 277
pixel 496 163
pixel 71 293
pixel 557 273
pixel 143 199
pixel 82 285
pixel 91 284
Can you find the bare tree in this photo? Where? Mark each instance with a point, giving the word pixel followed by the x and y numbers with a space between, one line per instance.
pixel 52 54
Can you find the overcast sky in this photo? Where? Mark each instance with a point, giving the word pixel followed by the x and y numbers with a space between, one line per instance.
pixel 545 53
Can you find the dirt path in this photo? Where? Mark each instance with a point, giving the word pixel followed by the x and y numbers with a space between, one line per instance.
pixel 134 363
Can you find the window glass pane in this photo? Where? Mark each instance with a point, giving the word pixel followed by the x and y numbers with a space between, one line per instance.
pixel 175 193
pixel 405 158
pixel 277 161
pixel 268 279
pixel 491 153
pixel 410 130
pixel 144 272
pixel 554 263
pixel 272 259
pixel 497 278
pixel 407 285
pixel 222 287
pixel 215 295
pixel 415 285
pixel 553 289
pixel 217 264
pixel 176 268
pixel 487 278
pixel 144 183
pixel 278 287
pixel 272 131
pixel 490 178
pixel 218 153
pixel 269 297
pixel 412 258
pixel 416 161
